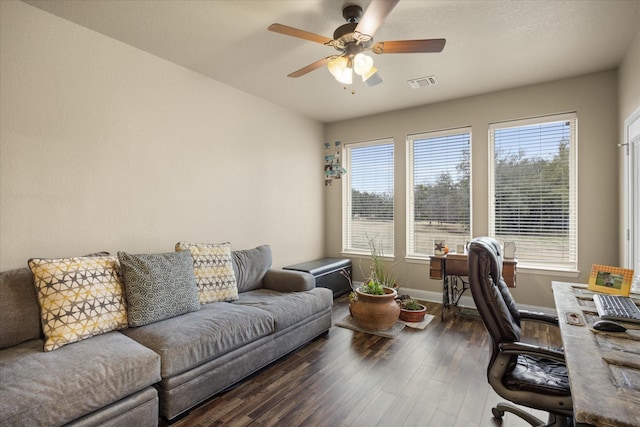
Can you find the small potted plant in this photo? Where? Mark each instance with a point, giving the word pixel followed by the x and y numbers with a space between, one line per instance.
pixel 411 310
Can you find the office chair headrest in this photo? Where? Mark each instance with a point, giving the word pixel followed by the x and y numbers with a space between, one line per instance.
pixel 493 248
pixel 490 293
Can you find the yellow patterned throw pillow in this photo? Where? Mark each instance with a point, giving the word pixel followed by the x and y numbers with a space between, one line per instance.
pixel 79 298
pixel 213 268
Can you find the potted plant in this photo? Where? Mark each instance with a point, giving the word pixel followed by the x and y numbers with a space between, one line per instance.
pixel 411 310
pixel 372 304
pixel 378 272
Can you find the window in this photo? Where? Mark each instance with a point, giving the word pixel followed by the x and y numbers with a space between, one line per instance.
pixel 368 196
pixel 533 189
pixel 438 185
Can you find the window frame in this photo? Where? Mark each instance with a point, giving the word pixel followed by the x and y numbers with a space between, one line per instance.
pixel 347 247
pixel 571 265
pixel 410 187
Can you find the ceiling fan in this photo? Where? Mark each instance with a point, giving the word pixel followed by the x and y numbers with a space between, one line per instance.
pixel 354 38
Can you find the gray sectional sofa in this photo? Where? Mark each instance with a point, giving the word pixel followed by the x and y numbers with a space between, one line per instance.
pixel 133 375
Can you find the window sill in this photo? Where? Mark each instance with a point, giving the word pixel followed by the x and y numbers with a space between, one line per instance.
pixel 416 260
pixel 366 255
pixel 548 271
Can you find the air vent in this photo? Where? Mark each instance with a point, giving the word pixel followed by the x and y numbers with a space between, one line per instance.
pixel 423 82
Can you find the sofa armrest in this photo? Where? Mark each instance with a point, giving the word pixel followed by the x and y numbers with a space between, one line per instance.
pixel 288 280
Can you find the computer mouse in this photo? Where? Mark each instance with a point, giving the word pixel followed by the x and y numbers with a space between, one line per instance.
pixel 608 326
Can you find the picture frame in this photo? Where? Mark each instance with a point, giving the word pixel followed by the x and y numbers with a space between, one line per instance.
pixel 610 280
pixel 509 250
pixel 438 247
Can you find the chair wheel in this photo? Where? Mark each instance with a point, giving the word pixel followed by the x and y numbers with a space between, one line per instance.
pixel 497 413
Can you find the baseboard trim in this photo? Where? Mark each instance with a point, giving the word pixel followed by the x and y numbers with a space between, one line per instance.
pixel 467 301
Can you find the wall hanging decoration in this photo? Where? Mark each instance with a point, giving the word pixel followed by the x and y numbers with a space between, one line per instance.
pixel 332 162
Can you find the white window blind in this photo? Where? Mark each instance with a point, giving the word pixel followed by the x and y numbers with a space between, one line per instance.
pixel 368 196
pixel 438 169
pixel 533 189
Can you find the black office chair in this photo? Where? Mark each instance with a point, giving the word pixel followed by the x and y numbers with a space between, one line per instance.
pixel 522 373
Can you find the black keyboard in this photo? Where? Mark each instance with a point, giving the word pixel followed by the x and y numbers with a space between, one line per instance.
pixel 616 307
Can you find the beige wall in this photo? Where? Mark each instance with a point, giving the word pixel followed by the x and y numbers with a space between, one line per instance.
pixel 593 97
pixel 105 147
pixel 629 75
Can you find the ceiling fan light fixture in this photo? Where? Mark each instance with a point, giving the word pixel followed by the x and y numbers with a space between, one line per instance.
pixel 355 37
pixel 337 65
pixel 362 64
pixel 369 74
pixel 346 77
pixel 372 78
pixel 339 68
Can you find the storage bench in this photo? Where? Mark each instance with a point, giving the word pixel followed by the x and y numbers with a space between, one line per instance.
pixel 329 273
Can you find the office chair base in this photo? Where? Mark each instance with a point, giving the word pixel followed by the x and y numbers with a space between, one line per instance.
pixel 553 421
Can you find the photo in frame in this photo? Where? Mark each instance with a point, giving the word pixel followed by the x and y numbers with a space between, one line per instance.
pixel 610 280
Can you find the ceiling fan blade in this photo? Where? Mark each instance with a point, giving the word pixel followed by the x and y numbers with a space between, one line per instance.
pixel 373 18
pixel 409 46
pixel 301 34
pixel 309 68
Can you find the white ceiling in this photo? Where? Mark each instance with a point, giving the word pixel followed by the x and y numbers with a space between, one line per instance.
pixel 491 45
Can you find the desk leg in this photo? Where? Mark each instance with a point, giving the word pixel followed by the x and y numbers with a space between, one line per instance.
pixel 446 295
pixel 452 292
pixel 456 292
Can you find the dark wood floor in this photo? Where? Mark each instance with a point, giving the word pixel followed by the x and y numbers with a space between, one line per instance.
pixel 431 377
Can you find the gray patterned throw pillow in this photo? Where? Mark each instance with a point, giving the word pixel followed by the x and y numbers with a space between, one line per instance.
pixel 158 286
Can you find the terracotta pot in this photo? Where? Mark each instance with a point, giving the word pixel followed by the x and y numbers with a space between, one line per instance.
pixel 413 315
pixel 375 312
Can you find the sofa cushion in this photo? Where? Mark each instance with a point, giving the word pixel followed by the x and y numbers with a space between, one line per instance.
pixel 213 269
pixel 194 338
pixel 54 388
pixel 158 286
pixel 79 297
pixel 19 311
pixel 288 308
pixel 250 266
